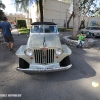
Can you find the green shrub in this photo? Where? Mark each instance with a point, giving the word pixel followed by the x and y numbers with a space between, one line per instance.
pixel 21 24
pixel 23 31
pixel 62 29
pixel 70 29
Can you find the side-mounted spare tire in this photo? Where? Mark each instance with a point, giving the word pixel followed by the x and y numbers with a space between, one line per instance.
pixel 23 64
pixel 65 62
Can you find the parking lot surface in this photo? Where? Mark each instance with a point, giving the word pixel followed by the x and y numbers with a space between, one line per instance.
pixel 81 82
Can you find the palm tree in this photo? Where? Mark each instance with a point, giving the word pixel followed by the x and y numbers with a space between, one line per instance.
pixel 2 5
pixel 24 4
pixel 41 9
pixel 1 15
pixel 1 11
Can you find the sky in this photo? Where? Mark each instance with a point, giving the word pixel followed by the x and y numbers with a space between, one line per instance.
pixel 9 6
pixel 11 9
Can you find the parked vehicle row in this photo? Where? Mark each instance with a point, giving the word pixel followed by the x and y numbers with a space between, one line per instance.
pixel 91 31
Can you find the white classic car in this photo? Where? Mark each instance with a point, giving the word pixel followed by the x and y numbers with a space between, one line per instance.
pixel 92 31
pixel 43 51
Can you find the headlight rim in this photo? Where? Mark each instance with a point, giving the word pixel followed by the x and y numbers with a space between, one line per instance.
pixel 26 53
pixel 58 49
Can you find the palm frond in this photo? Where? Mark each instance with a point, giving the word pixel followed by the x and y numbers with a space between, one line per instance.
pixel 1 15
pixel 23 5
pixel 2 5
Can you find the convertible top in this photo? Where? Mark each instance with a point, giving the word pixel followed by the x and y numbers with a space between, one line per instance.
pixel 43 23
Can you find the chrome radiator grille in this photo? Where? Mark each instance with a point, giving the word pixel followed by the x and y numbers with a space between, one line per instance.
pixel 44 56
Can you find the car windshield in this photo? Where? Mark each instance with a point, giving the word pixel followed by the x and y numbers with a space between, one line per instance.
pixel 44 29
pixel 92 28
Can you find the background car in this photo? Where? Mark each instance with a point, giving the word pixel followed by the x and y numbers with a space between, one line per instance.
pixel 43 51
pixel 91 31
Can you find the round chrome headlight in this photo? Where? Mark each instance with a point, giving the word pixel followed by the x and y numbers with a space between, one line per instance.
pixel 58 51
pixel 29 52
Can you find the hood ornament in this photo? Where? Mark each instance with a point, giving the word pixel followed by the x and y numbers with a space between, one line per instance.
pixel 44 42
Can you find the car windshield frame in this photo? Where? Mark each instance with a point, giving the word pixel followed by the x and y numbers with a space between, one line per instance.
pixel 44 29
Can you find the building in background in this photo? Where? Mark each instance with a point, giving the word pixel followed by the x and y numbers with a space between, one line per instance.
pixel 54 11
pixel 14 17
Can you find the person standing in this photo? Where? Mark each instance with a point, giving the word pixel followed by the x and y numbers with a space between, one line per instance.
pixel 6 32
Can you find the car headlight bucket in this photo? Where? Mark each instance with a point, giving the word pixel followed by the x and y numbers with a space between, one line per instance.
pixel 58 51
pixel 28 52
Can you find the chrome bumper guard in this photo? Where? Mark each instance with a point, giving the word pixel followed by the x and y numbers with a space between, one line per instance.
pixel 44 70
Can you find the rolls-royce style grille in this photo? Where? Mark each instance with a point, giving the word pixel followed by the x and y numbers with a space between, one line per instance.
pixel 44 56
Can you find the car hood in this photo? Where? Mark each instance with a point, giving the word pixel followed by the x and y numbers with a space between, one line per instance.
pixel 38 41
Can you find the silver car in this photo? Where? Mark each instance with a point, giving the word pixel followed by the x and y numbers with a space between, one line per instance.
pixel 93 31
pixel 43 51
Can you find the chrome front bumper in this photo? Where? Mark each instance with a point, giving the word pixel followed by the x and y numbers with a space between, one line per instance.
pixel 36 70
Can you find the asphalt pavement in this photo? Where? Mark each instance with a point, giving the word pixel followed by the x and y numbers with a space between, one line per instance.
pixel 81 82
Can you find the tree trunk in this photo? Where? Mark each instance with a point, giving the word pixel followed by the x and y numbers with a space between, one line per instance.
pixel 41 10
pixel 75 18
pixel 69 19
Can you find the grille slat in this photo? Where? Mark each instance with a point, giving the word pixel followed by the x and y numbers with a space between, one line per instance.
pixel 47 57
pixel 36 55
pixel 40 56
pixel 44 56
pixel 50 54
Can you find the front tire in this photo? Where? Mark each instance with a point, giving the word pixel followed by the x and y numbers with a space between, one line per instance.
pixel 23 64
pixel 93 35
pixel 65 62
